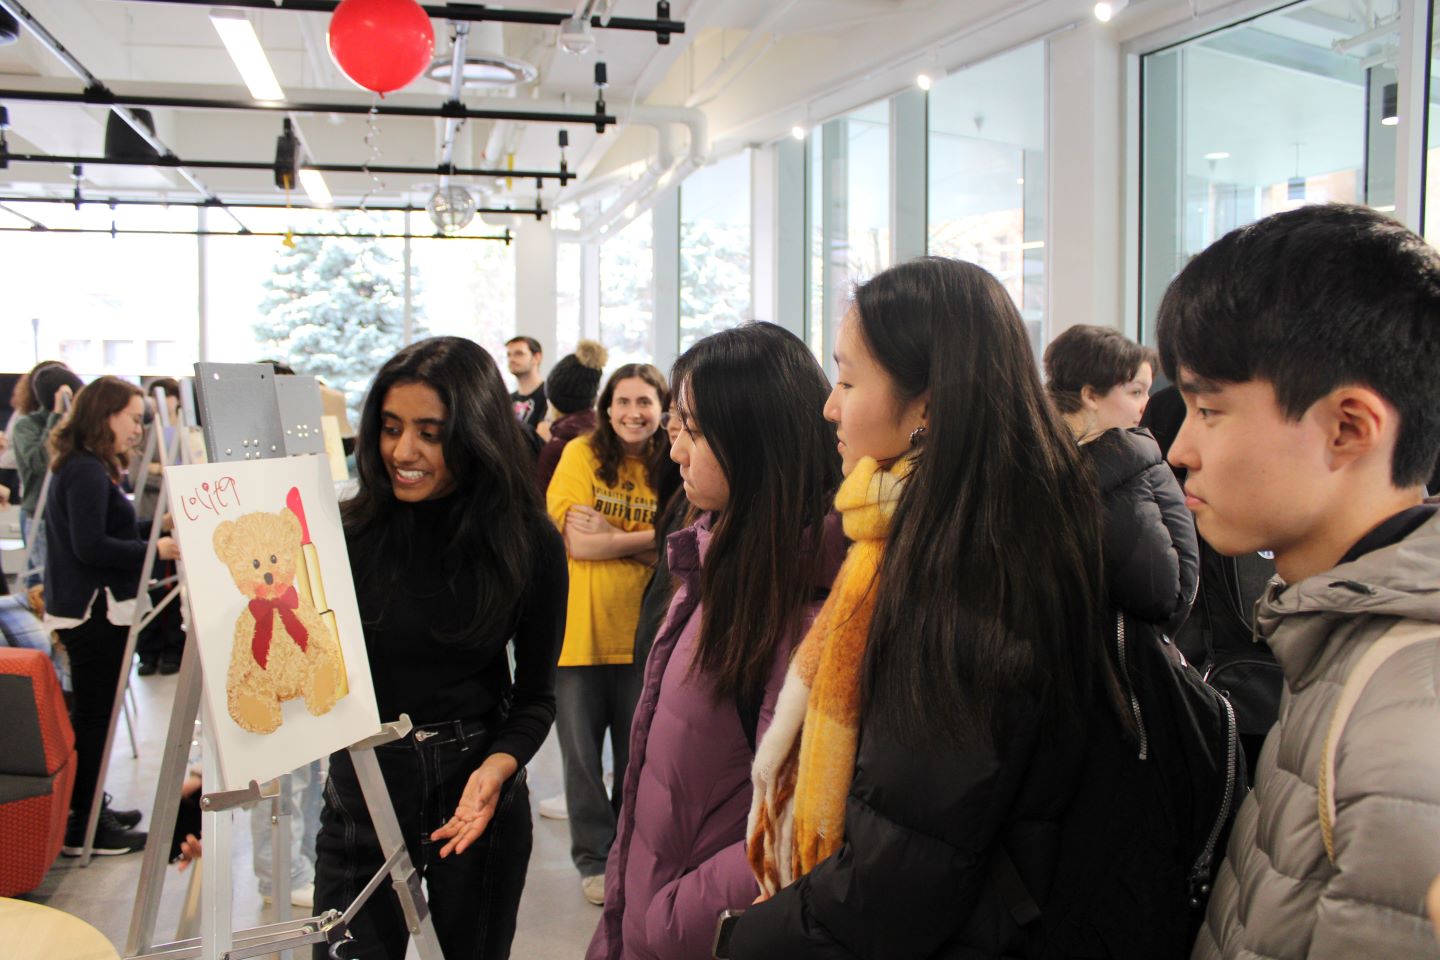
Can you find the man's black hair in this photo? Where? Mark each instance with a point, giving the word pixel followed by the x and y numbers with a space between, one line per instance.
pixel 530 342
pixel 1312 300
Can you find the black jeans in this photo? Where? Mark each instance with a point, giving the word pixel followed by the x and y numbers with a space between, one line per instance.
pixel 473 896
pixel 96 649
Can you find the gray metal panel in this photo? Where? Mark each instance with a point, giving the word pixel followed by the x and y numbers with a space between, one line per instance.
pixel 300 412
pixel 239 411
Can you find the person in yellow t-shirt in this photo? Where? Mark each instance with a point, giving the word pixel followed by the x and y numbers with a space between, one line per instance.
pixel 603 497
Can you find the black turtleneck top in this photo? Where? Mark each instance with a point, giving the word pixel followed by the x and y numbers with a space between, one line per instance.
pixel 432 679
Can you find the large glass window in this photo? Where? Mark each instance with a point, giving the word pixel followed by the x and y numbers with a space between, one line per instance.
pixel 469 289
pixel 987 174
pixel 568 288
pixel 627 293
pixel 715 249
pixel 849 203
pixel 1283 110
pixel 94 300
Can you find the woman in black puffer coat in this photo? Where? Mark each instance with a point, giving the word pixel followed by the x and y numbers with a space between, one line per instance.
pixel 1100 382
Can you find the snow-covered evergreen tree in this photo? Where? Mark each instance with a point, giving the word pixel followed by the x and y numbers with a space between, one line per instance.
pixel 334 307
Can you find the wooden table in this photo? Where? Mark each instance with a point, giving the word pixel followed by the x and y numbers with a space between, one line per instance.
pixel 31 931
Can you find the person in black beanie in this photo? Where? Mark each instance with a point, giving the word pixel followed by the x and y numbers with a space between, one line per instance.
pixel 571 389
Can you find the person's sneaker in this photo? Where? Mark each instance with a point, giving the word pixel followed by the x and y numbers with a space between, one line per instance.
pixel 111 839
pixel 167 667
pixel 126 818
pixel 594 889
pixel 553 808
pixel 147 668
pixel 299 897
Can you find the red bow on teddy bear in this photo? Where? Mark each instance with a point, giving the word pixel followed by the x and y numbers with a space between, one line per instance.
pixel 263 610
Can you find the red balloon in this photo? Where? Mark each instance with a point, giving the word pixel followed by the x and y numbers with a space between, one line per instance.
pixel 381 44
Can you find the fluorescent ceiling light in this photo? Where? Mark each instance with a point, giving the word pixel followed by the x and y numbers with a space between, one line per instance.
pixel 238 35
pixel 1217 155
pixel 314 184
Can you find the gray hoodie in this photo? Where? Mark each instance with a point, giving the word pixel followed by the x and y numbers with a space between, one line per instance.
pixel 1277 894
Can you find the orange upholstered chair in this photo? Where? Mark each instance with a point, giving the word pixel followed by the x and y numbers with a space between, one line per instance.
pixel 37 768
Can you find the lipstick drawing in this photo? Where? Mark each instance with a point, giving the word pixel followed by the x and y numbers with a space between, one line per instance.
pixel 311 586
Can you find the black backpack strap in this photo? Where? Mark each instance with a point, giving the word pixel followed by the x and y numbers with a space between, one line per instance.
pixel 1006 880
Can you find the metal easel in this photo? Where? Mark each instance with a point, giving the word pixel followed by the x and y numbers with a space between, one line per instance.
pixel 249 413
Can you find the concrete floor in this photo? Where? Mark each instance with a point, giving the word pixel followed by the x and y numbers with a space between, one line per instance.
pixel 555 921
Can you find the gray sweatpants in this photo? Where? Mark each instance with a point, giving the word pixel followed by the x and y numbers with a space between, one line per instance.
pixel 588 701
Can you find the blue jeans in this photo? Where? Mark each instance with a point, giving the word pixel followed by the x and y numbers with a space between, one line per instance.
pixel 36 561
pixel 304 802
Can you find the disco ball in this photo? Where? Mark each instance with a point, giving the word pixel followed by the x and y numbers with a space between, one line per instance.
pixel 451 208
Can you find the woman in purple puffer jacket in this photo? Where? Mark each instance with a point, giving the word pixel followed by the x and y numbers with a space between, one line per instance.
pixel 759 461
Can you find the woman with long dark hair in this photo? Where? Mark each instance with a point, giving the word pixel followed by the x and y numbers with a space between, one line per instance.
pixel 938 704
pixel 750 572
pixel 452 558
pixel 605 494
pixel 92 571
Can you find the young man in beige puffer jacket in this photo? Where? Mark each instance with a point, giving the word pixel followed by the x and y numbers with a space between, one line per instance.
pixel 1307 347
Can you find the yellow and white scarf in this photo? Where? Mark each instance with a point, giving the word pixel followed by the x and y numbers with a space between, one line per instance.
pixel 806 760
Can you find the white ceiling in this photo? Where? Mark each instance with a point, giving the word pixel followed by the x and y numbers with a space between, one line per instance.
pixel 753 68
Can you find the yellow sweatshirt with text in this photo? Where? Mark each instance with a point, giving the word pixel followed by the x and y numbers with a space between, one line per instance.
pixel 604 604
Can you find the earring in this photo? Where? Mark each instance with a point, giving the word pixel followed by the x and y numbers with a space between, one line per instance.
pixel 917 435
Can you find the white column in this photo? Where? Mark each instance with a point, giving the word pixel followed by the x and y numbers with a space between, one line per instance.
pixel 535 283
pixel 665 247
pixel 1085 108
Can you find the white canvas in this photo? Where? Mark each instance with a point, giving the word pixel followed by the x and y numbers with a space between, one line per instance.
pixel 268 647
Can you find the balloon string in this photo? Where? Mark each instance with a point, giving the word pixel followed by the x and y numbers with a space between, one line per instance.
pixel 372 143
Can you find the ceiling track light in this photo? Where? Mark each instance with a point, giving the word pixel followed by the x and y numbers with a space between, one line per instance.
pixel 798 132
pixel 1106 10
pixel 924 82
pixel 1390 104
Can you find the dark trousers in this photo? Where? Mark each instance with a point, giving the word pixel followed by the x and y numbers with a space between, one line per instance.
pixel 164 639
pixel 473 896
pixel 588 701
pixel 96 649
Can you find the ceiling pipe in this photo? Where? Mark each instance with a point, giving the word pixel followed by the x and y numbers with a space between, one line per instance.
pixel 93 83
pixel 457 88
pixel 741 57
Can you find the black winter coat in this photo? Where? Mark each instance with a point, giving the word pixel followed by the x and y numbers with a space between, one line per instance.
pixel 1152 556
pixel 913 876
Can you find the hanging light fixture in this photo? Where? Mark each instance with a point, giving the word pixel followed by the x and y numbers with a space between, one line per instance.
pixel 451 208
pixel 1390 104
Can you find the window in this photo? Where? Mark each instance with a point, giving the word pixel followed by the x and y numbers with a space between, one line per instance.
pixel 162 355
pixel 987 174
pixel 627 293
pixel 83 290
pixel 567 297
pixel 122 356
pixel 715 249
pixel 468 289
pixel 849 204
pixel 1280 111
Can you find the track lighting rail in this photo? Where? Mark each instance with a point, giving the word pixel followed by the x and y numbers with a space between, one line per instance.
pixel 662 26
pixel 564 176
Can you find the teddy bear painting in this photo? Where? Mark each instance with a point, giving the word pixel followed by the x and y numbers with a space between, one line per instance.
pixel 283 648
